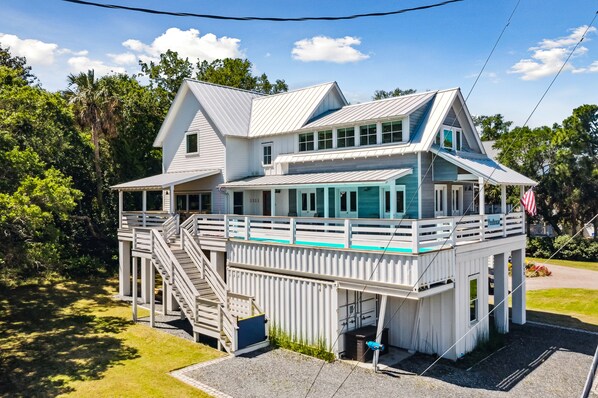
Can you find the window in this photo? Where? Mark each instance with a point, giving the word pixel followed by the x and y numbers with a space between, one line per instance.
pixel 450 138
pixel 306 142
pixel 392 132
pixel 206 203
pixel 447 140
pixel 473 299
pixel 345 138
pixel 192 143
pixel 237 202
pixel 267 150
pixel 193 203
pixel 367 135
pixel 325 139
pixel 400 200
pixel 181 202
pixel 459 139
pixel 437 140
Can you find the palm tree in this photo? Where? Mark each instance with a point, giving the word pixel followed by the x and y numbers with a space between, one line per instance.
pixel 95 108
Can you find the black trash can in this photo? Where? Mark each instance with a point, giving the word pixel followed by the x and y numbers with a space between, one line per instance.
pixel 355 343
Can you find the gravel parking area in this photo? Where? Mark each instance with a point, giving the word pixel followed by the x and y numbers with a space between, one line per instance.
pixel 536 362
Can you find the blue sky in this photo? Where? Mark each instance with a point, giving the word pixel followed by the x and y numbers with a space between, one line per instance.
pixel 432 49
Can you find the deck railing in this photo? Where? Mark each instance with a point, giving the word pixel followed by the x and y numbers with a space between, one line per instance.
pixel 413 236
pixel 147 219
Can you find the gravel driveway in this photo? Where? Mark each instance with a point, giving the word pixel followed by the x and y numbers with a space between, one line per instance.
pixel 537 362
pixel 564 277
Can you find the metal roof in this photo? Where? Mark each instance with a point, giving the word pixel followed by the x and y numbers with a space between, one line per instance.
pixel 286 112
pixel 165 180
pixel 310 179
pixel 374 110
pixel 482 166
pixel 229 108
pixel 352 153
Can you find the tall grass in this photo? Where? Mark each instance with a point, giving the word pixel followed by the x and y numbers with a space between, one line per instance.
pixel 281 339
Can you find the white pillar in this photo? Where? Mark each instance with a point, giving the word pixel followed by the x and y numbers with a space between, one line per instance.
pixel 120 208
pixel 393 198
pixel 217 261
pixel 124 268
pixel 144 206
pixel 165 297
pixel 501 288
pixel 135 264
pixel 503 199
pixel 152 296
pixel 273 202
pixel 419 183
pixel 482 196
pixel 145 280
pixel 326 202
pixel 172 200
pixel 380 329
pixel 518 272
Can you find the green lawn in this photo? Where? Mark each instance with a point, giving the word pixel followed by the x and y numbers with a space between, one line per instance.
pixel 73 338
pixel 567 307
pixel 592 266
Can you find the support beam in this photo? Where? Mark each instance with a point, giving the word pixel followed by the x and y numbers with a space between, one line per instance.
pixel 482 196
pixel 326 202
pixel 501 289
pixel 273 202
pixel 135 293
pixel 172 200
pixel 379 330
pixel 419 185
pixel 393 199
pixel 503 199
pixel 145 280
pixel 165 297
pixel 120 208
pixel 124 268
pixel 518 272
pixel 152 296
pixel 144 206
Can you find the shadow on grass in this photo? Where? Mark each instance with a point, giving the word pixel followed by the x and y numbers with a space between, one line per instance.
pixel 46 340
pixel 521 351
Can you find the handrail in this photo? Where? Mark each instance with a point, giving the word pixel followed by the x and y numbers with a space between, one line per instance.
pixel 170 226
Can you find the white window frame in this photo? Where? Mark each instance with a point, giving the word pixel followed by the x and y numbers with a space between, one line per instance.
pixel 459 211
pixel 473 277
pixel 345 131
pixel 331 140
pixel 444 212
pixel 368 135
pixel 398 188
pixel 402 130
pixel 264 146
pixel 338 202
pixel 314 141
pixel 187 134
pixel 455 131
pixel 309 212
pixel 200 202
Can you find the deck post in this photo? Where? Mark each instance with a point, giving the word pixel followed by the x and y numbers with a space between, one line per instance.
pixel 347 233
pixel 145 280
pixel 172 203
pixel 482 196
pixel 134 303
pixel 326 202
pixel 380 329
pixel 144 207
pixel 503 208
pixel 165 297
pixel 120 209
pixel 292 231
pixel 152 295
pixel 226 225
pixel 415 236
pixel 247 228
pixel 124 263
pixel 273 202
pixel 518 279
pixel 393 198
pixel 501 290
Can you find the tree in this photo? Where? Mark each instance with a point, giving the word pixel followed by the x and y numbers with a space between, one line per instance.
pixel 397 92
pixel 17 64
pixel 167 75
pixel 96 109
pixel 492 127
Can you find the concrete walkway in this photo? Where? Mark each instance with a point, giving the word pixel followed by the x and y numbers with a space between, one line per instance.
pixel 564 277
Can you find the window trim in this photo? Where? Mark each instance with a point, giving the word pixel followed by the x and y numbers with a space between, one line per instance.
pixel 346 130
pixel 264 146
pixel 474 277
pixel 456 132
pixel 310 204
pixel 313 141
pixel 187 195
pixel 392 132
pixel 187 135
pixel 320 140
pixel 368 135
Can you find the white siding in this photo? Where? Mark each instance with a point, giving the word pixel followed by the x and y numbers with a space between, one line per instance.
pixel 211 146
pixel 280 144
pixel 238 155
pixel 303 308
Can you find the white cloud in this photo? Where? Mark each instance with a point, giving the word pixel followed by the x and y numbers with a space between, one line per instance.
pixel 124 58
pixel 328 49
pixel 83 64
pixel 188 44
pixel 37 52
pixel 550 54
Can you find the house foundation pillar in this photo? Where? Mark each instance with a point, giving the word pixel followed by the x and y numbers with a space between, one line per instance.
pixel 501 291
pixel 518 272
pixel 145 280
pixel 135 291
pixel 124 268
pixel 152 295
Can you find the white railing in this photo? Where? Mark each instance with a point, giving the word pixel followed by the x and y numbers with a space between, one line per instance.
pixel 147 219
pixel 170 227
pixel 412 236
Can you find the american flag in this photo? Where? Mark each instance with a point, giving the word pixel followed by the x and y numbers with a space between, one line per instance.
pixel 528 201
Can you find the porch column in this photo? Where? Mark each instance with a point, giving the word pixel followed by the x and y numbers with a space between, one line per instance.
pixel 120 209
pixel 134 303
pixel 172 199
pixel 273 202
pixel 501 289
pixel 145 280
pixel 144 205
pixel 165 297
pixel 482 196
pixel 124 268
pixel 393 198
pixel 379 329
pixel 518 272
pixel 152 296
pixel 326 202
pixel 503 208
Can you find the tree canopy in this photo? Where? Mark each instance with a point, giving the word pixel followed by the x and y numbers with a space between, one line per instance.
pixel 381 94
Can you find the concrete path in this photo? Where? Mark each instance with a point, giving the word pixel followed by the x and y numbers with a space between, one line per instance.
pixel 564 277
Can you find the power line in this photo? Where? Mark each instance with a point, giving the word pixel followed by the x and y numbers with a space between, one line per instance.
pixel 377 263
pixel 487 179
pixel 269 19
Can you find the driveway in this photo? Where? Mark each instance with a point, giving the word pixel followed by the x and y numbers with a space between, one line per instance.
pixel 564 277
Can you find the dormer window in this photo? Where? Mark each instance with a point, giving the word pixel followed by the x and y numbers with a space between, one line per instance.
pixel 392 132
pixel 367 135
pixel 345 137
pixel 306 142
pixel 192 143
pixel 450 138
pixel 447 139
pixel 325 139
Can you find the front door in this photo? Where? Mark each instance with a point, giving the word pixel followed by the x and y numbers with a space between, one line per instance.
pixel 307 203
pixel 457 200
pixel 267 203
pixel 439 200
pixel 347 203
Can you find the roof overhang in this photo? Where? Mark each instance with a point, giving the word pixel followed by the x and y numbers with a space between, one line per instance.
pixel 343 178
pixel 162 181
pixel 483 167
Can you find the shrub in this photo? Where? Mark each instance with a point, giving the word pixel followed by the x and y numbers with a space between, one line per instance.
pixel 576 249
pixel 280 338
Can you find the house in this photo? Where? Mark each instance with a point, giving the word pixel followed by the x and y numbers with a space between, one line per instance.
pixel 323 217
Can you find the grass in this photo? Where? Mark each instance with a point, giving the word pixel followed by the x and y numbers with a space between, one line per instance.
pixel 281 339
pixel 73 338
pixel 592 266
pixel 567 307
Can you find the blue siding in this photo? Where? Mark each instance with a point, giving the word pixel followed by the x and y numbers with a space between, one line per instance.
pixel 368 202
pixel 444 171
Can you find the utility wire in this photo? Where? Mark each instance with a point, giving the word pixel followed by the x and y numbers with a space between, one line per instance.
pixel 269 19
pixel 488 178
pixel 379 259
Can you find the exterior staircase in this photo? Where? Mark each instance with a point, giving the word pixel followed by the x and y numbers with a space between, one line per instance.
pixel 234 320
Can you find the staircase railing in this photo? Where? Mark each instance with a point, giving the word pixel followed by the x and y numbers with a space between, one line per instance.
pixel 172 269
pixel 170 227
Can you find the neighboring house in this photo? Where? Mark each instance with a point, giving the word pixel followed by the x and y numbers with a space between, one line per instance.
pixel 326 217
